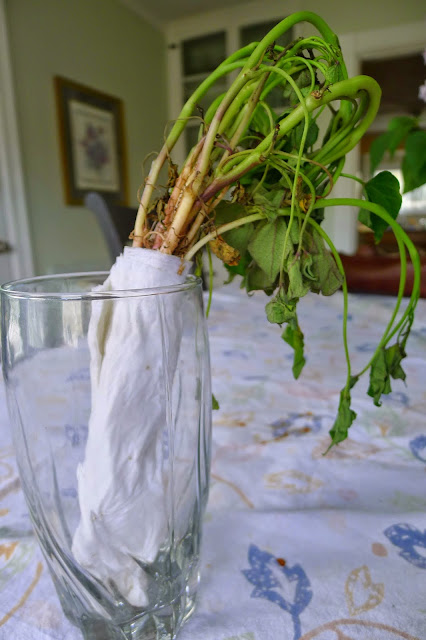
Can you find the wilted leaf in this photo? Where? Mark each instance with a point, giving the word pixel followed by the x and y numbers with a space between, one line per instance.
pixel 257 280
pixel 294 337
pixel 298 286
pixel 386 365
pixel 224 251
pixel 280 309
pixel 239 237
pixel 266 246
pixel 322 271
pixel 344 419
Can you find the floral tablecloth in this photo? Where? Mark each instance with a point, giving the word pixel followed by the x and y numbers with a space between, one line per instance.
pixel 297 545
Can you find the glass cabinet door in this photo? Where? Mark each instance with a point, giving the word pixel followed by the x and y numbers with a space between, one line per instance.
pixel 255 33
pixel 201 56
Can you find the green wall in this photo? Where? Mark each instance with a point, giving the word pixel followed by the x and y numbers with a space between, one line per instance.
pixel 102 44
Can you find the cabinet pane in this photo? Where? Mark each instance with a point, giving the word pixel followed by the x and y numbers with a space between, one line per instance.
pixel 255 33
pixel 203 54
pixel 219 87
pixel 191 137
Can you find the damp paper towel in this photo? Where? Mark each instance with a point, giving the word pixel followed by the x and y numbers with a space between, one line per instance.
pixel 120 482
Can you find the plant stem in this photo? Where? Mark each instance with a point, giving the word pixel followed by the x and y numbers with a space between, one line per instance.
pixel 222 229
pixel 402 240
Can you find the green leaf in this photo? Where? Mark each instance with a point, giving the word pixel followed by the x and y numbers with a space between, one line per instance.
pixel 294 337
pixel 394 355
pixel 397 131
pixel 414 162
pixel 344 419
pixel 266 246
pixel 281 309
pixel 399 127
pixel 303 82
pixel 386 365
pixel 334 73
pixel 260 121
pixel 383 189
pixel 311 136
pixel 239 237
pixel 257 280
pixel 318 215
pixel 378 148
pixel 239 269
pixel 379 378
pixel 298 286
pixel 215 404
pixel 322 271
pixel 269 197
pixel 275 312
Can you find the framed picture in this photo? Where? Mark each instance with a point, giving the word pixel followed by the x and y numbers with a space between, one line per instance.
pixel 91 135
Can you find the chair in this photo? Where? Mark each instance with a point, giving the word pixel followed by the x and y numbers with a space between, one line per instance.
pixel 370 272
pixel 116 221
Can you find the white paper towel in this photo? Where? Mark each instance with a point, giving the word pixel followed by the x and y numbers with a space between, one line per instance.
pixel 120 482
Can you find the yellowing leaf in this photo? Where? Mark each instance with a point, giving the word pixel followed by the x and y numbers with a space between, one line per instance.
pixel 225 252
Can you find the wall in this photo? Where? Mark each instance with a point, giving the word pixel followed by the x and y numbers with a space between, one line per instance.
pixel 343 17
pixel 104 45
pixel 362 15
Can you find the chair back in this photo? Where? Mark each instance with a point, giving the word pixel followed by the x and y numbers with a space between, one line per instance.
pixel 116 221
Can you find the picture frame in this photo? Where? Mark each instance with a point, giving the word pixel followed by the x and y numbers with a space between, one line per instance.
pixel 92 142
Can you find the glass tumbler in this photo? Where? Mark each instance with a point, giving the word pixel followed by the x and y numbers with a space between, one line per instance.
pixel 110 403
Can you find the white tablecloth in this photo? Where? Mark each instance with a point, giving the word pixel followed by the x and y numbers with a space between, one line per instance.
pixel 297 546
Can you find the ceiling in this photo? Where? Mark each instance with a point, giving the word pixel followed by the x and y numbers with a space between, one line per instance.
pixel 160 12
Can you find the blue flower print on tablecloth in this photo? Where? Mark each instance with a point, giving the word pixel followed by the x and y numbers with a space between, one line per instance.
pixel 268 575
pixel 407 538
pixel 366 347
pixel 81 375
pixel 300 423
pixel 418 447
pixel 397 398
pixel 76 434
pixel 236 353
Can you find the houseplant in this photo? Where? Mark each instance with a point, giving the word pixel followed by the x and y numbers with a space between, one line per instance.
pixel 270 232
pixel 253 190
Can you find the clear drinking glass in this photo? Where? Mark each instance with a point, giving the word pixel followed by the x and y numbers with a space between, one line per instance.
pixel 114 458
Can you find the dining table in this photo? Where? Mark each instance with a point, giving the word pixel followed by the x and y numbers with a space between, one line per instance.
pixel 300 541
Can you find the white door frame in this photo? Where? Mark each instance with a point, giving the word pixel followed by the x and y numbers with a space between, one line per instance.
pixel 13 205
